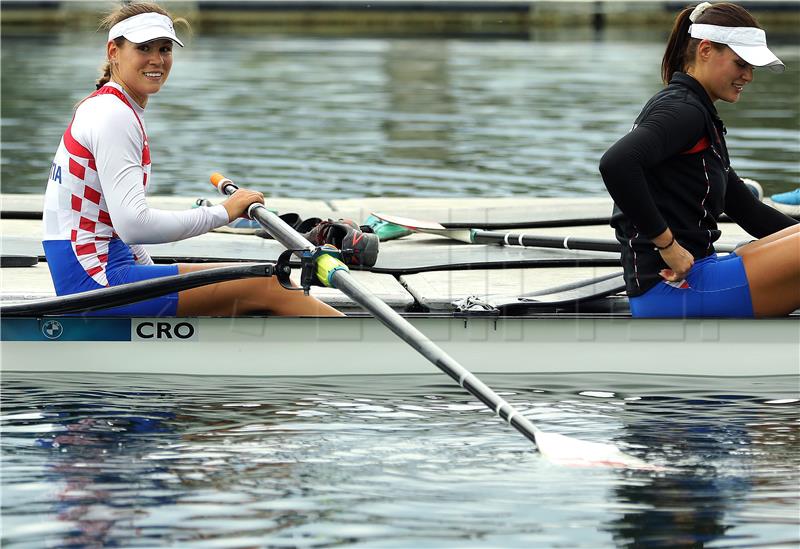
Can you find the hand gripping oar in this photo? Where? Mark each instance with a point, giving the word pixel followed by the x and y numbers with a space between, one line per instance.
pixel 477 236
pixel 334 273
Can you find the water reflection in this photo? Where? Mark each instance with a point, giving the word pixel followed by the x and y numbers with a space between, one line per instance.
pixel 327 117
pixel 686 508
pixel 407 460
pixel 700 502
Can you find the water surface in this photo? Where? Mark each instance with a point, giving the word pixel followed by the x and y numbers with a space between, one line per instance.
pixel 329 118
pixel 394 461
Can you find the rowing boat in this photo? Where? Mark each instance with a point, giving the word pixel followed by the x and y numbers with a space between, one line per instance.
pixel 519 310
pixel 359 345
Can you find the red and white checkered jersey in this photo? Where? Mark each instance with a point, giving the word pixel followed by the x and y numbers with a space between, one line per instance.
pixel 96 189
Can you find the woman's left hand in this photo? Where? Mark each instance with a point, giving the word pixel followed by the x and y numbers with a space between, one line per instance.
pixel 679 260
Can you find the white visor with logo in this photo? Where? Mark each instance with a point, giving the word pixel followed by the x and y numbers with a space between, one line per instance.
pixel 144 28
pixel 749 43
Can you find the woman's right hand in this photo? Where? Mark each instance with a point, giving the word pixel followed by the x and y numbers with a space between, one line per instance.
pixel 237 204
pixel 680 261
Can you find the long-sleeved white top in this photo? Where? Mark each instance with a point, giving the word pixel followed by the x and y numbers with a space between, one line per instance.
pixel 98 180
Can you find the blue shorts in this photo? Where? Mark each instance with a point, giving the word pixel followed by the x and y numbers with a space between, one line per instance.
pixel 715 287
pixel 69 277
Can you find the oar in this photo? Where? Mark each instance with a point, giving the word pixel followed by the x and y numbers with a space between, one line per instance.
pixel 533 224
pixel 334 273
pixel 104 298
pixel 551 223
pixel 12 260
pixel 477 236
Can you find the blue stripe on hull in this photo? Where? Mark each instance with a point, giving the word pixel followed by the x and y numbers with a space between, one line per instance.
pixel 65 329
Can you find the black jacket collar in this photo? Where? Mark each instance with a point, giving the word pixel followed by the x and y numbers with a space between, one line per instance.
pixel 683 79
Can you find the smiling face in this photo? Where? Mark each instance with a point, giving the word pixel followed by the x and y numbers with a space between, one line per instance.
pixel 721 72
pixel 141 69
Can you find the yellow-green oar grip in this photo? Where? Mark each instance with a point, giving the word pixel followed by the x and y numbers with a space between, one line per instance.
pixel 326 266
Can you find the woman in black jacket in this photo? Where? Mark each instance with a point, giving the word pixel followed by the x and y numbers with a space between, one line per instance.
pixel 671 179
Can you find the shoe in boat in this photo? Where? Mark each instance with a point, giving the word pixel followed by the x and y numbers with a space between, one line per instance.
pixel 295 222
pixel 358 245
pixel 754 187
pixel 788 202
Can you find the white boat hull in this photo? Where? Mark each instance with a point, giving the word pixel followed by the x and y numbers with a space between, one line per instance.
pixel 273 346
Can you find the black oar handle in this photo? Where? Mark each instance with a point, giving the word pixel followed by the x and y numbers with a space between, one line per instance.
pixel 124 294
pixel 343 280
pixel 560 242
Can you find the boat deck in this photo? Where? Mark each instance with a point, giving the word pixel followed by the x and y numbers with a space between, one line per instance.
pixel 419 275
pixel 417 272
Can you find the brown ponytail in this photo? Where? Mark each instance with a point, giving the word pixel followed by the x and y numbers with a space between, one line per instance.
pixel 681 47
pixel 105 68
pixel 129 9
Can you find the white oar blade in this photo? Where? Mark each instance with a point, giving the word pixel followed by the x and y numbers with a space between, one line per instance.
pixel 409 223
pixel 461 235
pixel 427 227
pixel 564 450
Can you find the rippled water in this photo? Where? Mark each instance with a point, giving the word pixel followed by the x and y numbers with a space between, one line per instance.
pixel 390 461
pixel 328 118
pixel 395 461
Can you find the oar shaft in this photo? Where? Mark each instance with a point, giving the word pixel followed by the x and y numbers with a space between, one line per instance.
pixel 343 281
pixel 115 296
pixel 540 241
pixel 560 242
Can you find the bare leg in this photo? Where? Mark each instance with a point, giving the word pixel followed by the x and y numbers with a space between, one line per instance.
pixel 246 296
pixel 788 231
pixel 772 265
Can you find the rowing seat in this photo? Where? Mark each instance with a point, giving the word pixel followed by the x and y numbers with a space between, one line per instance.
pixel 595 295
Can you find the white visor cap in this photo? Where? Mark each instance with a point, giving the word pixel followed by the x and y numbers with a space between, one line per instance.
pixel 749 43
pixel 144 28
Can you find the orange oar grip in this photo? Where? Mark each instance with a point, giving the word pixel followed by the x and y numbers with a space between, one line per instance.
pixel 220 181
pixel 216 178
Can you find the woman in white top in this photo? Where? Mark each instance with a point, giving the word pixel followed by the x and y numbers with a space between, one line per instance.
pixel 96 217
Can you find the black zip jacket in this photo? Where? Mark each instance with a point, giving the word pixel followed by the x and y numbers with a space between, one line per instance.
pixel 672 170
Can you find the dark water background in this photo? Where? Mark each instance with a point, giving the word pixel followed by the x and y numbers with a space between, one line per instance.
pixel 328 118
pixel 394 461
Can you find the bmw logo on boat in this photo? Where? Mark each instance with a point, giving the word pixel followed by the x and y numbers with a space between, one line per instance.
pixel 52 329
